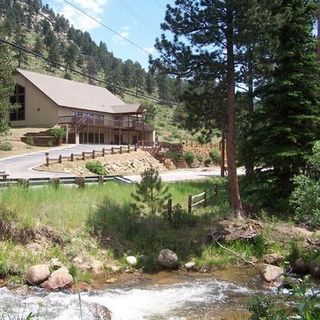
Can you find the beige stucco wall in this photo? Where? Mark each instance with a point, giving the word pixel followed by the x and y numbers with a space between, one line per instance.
pixel 39 109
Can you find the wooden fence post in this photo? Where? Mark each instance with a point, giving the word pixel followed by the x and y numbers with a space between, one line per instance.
pixel 60 159
pixel 103 152
pixel 120 150
pixel 128 148
pixel 169 209
pixel 72 157
pixel 55 182
pixel 24 182
pixel 135 147
pixel 100 179
pixel 47 159
pixel 80 182
pixel 112 150
pixel 190 203
pixel 83 156
pixel 93 154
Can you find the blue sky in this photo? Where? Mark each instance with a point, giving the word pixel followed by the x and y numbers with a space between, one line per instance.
pixel 137 20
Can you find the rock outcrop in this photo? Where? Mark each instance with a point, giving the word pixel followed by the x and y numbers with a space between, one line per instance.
pixel 58 279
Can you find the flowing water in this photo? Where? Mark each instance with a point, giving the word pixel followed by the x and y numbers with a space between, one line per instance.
pixel 221 295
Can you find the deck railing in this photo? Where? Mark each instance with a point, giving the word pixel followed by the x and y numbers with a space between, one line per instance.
pixel 131 123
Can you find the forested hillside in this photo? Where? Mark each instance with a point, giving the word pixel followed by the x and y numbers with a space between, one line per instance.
pixel 39 29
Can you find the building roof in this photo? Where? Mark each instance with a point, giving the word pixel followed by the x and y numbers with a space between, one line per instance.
pixel 78 95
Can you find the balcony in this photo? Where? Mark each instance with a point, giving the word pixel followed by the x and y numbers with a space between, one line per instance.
pixel 132 123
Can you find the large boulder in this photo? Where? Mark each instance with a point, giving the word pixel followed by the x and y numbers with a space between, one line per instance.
pixel 58 279
pixel 168 259
pixel 272 274
pixel 37 274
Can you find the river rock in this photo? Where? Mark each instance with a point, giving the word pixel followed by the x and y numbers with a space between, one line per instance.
pixel 37 274
pixel 96 267
pixel 58 279
pixel 271 273
pixel 299 266
pixel 191 265
pixel 315 268
pixel 101 312
pixel 168 259
pixel 273 258
pixel 115 268
pixel 131 260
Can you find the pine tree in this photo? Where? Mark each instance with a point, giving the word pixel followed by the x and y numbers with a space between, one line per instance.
pixel 207 35
pixel 20 39
pixel 150 83
pixel 38 45
pixel 54 53
pixel 71 55
pixel 6 86
pixel 288 122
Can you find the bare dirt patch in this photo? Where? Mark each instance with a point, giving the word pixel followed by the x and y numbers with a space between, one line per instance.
pixel 19 147
pixel 134 162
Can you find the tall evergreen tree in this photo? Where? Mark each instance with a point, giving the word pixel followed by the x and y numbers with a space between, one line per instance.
pixel 54 53
pixel 207 35
pixel 21 39
pixel 6 86
pixel 288 122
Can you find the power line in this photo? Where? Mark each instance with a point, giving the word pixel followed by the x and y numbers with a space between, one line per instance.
pixel 37 55
pixel 159 4
pixel 107 27
pixel 133 12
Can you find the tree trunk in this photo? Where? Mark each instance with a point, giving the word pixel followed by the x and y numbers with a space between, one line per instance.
pixel 318 35
pixel 223 139
pixel 235 200
pixel 250 162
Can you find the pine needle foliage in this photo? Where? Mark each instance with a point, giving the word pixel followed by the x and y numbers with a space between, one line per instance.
pixel 150 195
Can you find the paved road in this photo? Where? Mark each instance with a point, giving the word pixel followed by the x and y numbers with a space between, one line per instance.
pixel 182 175
pixel 21 166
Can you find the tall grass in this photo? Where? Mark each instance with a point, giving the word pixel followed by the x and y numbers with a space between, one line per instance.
pixel 68 208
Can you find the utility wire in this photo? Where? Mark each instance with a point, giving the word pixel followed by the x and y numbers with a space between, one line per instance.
pixel 107 27
pixel 159 4
pixel 128 91
pixel 133 12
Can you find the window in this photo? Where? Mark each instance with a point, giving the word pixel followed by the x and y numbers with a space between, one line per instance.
pixel 19 98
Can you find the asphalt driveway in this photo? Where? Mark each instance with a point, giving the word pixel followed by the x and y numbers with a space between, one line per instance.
pixel 22 166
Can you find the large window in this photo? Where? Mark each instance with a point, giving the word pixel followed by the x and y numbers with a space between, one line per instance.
pixel 19 98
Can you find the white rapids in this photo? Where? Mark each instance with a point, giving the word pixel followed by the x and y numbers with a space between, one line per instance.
pixel 191 300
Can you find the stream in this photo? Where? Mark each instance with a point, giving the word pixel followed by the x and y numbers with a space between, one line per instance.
pixel 219 295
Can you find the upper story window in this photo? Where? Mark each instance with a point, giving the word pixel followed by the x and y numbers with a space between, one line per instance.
pixel 19 98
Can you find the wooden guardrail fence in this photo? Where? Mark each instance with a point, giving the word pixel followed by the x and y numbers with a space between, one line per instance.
pixel 81 182
pixel 89 154
pixel 201 198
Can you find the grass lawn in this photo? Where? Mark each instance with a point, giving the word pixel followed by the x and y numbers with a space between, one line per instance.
pixel 97 222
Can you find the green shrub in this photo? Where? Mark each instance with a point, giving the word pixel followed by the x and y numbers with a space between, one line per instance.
pixel 207 162
pixel 58 133
pixel 174 155
pixel 305 200
pixel 180 217
pixel 215 156
pixel 96 167
pixel 5 146
pixel 189 157
pixel 200 158
pixel 30 141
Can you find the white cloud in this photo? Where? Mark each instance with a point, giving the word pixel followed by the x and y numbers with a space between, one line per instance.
pixel 94 8
pixel 124 33
pixel 151 50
